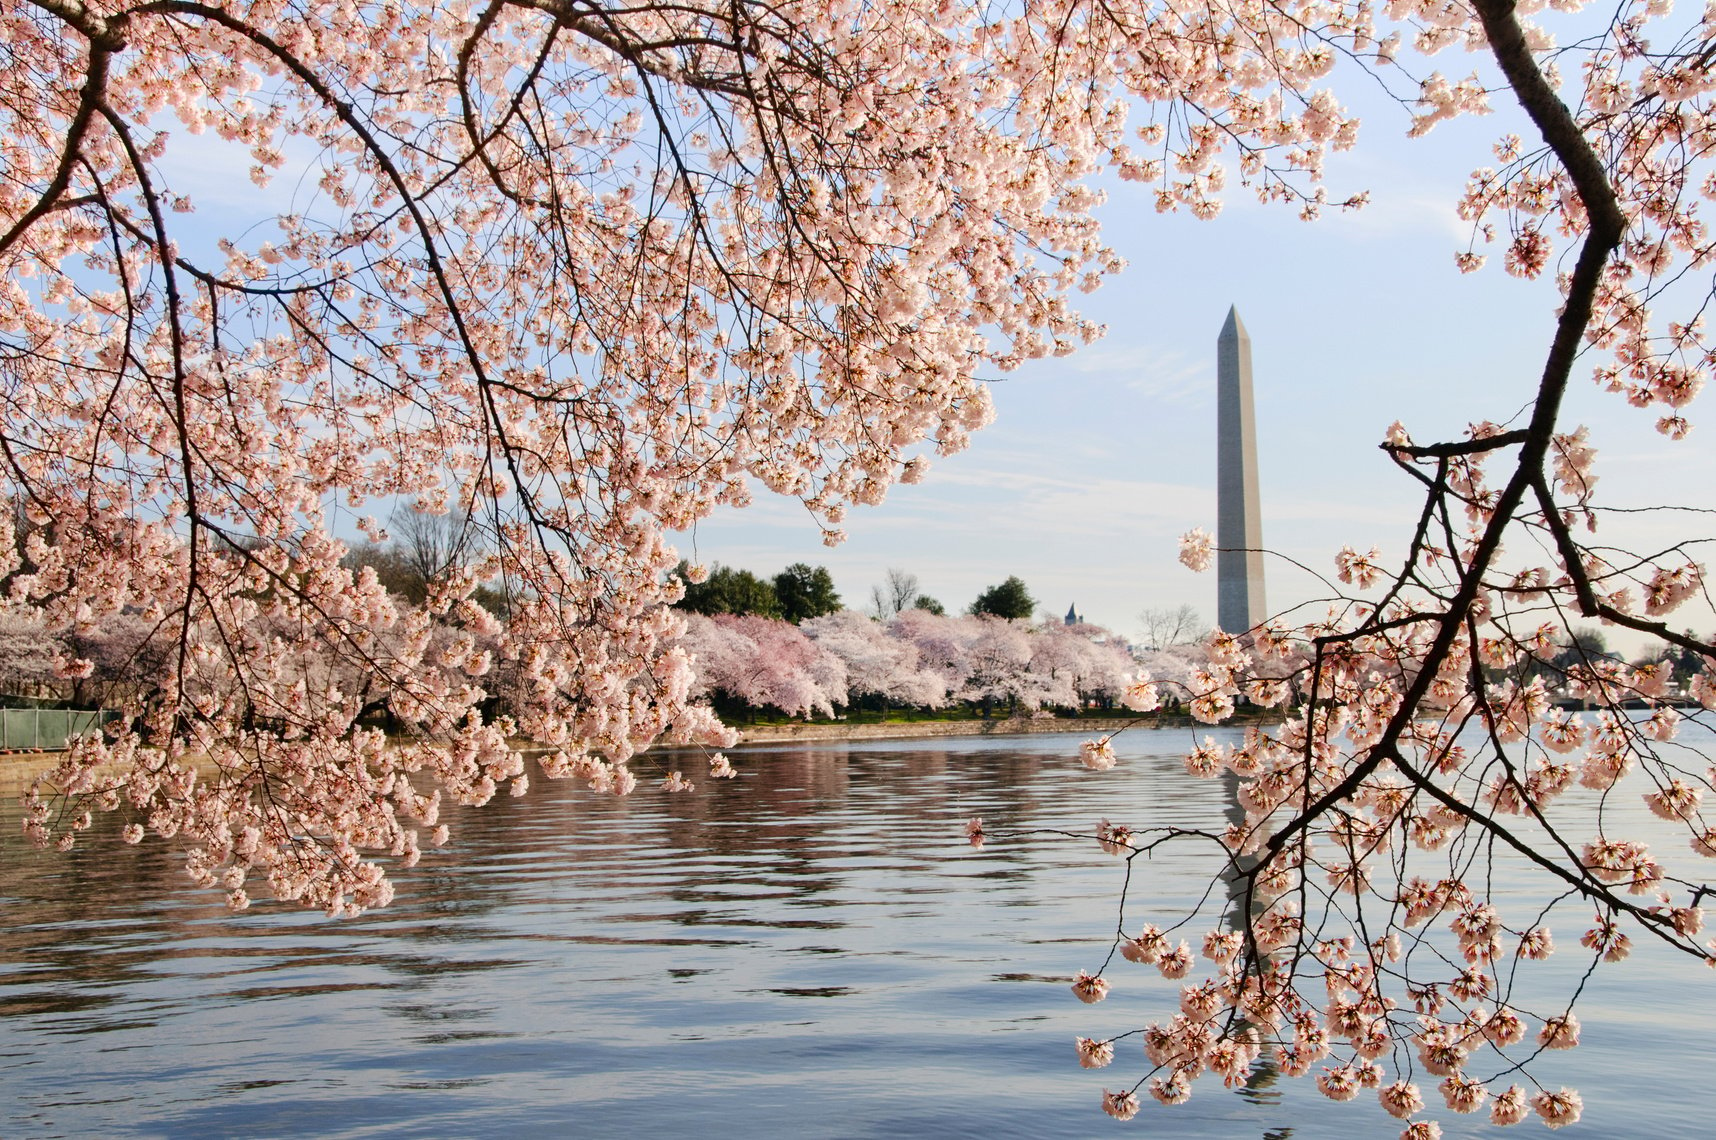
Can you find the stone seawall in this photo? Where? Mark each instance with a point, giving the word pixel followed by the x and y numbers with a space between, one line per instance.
pixel 18 768
pixel 908 730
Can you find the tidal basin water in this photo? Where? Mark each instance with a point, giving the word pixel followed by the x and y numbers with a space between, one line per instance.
pixel 808 950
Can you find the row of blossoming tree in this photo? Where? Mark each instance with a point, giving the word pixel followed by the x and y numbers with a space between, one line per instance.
pixel 919 660
pixel 748 663
pixel 581 272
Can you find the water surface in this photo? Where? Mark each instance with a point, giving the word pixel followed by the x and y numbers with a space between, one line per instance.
pixel 808 950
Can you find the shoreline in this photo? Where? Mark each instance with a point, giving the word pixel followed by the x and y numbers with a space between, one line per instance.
pixel 18 768
pixel 928 729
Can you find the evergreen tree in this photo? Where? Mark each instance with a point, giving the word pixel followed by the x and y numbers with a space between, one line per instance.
pixel 805 592
pixel 1008 600
pixel 729 591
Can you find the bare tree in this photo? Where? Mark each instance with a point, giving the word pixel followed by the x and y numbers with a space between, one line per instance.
pixel 896 594
pixel 1168 626
pixel 430 543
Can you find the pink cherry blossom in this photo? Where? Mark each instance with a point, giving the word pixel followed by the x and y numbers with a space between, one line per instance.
pixel 1510 1106
pixel 1462 1093
pixel 1401 1099
pixel 1175 963
pixel 1146 948
pixel 1097 755
pixel 1558 1109
pixel 1120 1105
pixel 1559 1032
pixel 1088 988
pixel 1197 549
pixel 1340 1083
pixel 1115 839
pixel 1175 1090
pixel 1361 570
pixel 1094 1054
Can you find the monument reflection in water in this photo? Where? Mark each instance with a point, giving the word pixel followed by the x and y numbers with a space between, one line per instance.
pixel 808 950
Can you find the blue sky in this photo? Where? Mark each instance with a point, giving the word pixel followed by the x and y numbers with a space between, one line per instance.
pixel 1098 462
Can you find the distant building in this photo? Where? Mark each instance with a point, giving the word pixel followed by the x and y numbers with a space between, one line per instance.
pixel 1073 616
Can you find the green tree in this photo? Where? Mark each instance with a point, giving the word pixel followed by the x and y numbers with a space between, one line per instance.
pixel 1585 645
pixel 729 591
pixel 1008 600
pixel 805 592
pixel 925 602
pixel 1688 662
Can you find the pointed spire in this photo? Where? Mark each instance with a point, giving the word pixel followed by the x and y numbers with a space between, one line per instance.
pixel 1233 328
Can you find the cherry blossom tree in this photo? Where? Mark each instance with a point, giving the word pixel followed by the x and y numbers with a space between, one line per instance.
pixel 1000 658
pixel 578 273
pixel 761 662
pixel 30 656
pixel 1358 938
pixel 1172 670
pixel 582 272
pixel 941 643
pixel 921 660
pixel 1096 664
pixel 876 662
pixel 575 272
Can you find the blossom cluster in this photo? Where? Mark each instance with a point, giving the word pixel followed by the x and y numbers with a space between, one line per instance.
pixel 1426 736
pixel 577 274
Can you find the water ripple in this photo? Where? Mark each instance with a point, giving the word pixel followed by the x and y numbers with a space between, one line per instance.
pixel 809 950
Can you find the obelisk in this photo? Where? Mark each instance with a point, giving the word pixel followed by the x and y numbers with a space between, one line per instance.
pixel 1239 526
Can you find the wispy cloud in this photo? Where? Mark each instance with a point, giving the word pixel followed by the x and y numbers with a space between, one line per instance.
pixel 216 175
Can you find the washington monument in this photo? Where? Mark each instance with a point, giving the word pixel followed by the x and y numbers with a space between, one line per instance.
pixel 1239 527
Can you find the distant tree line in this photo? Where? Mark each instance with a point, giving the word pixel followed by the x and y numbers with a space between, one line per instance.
pixel 784 643
pixel 801 592
pixel 798 593
pixel 750 663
